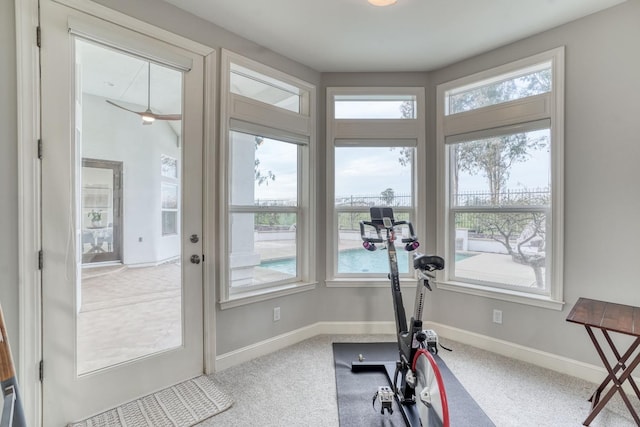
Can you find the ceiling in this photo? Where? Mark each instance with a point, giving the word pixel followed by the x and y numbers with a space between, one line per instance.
pixel 338 35
pixel 412 35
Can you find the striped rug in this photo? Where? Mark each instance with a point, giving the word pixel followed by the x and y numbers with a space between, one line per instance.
pixel 182 405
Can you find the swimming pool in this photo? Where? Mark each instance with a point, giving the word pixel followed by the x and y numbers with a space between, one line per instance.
pixel 354 261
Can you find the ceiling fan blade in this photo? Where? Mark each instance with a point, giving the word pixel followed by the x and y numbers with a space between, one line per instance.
pixel 148 113
pixel 167 116
pixel 149 116
pixel 125 108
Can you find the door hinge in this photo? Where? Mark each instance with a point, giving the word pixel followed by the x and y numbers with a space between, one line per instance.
pixel 38 36
pixel 41 370
pixel 40 259
pixel 40 148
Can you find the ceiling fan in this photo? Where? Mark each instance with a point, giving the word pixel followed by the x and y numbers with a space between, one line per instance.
pixel 148 116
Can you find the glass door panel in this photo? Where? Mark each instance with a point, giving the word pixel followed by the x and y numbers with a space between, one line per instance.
pixel 129 301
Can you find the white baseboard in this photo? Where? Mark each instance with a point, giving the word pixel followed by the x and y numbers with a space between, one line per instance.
pixel 585 371
pixel 279 342
pixel 543 359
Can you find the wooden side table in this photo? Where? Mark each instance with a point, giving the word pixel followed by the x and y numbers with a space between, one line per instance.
pixel 610 317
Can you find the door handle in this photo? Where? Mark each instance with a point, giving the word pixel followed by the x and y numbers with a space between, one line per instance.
pixel 195 259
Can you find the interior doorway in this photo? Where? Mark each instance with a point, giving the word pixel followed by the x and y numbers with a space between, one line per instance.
pixel 101 211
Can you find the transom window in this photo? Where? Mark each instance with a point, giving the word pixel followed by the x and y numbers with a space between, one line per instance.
pixel 358 106
pixel 264 88
pixel 501 144
pixel 522 83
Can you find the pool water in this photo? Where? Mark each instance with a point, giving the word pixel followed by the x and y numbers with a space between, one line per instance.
pixel 354 261
pixel 363 261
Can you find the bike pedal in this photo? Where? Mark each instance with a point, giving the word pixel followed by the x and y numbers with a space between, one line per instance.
pixel 385 396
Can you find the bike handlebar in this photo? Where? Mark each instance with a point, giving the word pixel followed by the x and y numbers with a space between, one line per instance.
pixel 379 227
pixel 364 237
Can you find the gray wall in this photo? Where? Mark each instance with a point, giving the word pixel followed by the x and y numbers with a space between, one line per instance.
pixel 8 174
pixel 602 148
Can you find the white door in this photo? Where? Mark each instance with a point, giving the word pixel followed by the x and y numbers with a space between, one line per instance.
pixel 122 131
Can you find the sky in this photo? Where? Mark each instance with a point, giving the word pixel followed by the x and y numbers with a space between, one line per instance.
pixel 371 170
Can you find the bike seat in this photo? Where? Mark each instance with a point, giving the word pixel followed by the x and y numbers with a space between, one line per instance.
pixel 428 262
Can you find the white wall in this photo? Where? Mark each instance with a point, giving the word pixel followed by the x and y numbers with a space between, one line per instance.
pixel 139 148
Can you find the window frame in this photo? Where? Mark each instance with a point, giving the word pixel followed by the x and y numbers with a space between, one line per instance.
pixel 248 115
pixel 371 132
pixel 522 112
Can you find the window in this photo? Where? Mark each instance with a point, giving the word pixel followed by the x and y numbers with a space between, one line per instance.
pixel 169 167
pixel 269 125
pixel 261 87
pixel 376 138
pixel 357 106
pixel 169 195
pixel 500 141
pixel 169 209
pixel 264 210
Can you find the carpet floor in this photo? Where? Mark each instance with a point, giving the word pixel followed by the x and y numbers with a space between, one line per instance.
pixel 296 387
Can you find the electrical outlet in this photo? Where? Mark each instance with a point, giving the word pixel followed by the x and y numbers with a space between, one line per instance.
pixel 497 316
pixel 276 314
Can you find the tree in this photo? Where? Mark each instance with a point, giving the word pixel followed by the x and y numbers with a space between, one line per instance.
pixel 388 196
pixel 493 158
pixel 407 111
pixel 522 229
pixel 261 178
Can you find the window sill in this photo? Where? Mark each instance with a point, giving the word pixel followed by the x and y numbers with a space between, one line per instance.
pixel 366 283
pixel 542 301
pixel 264 294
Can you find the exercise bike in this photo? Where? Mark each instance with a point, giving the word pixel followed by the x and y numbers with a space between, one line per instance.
pixel 416 383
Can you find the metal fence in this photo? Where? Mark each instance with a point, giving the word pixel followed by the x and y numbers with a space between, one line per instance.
pixel 366 200
pixel 474 222
pixel 538 197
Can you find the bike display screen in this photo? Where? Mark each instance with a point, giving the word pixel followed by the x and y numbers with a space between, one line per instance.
pixel 378 214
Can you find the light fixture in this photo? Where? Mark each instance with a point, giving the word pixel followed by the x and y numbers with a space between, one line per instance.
pixel 147 117
pixel 382 2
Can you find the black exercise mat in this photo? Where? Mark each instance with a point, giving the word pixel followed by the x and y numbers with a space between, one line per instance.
pixel 356 390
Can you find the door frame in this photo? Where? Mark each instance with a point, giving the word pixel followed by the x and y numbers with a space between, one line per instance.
pixel 29 187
